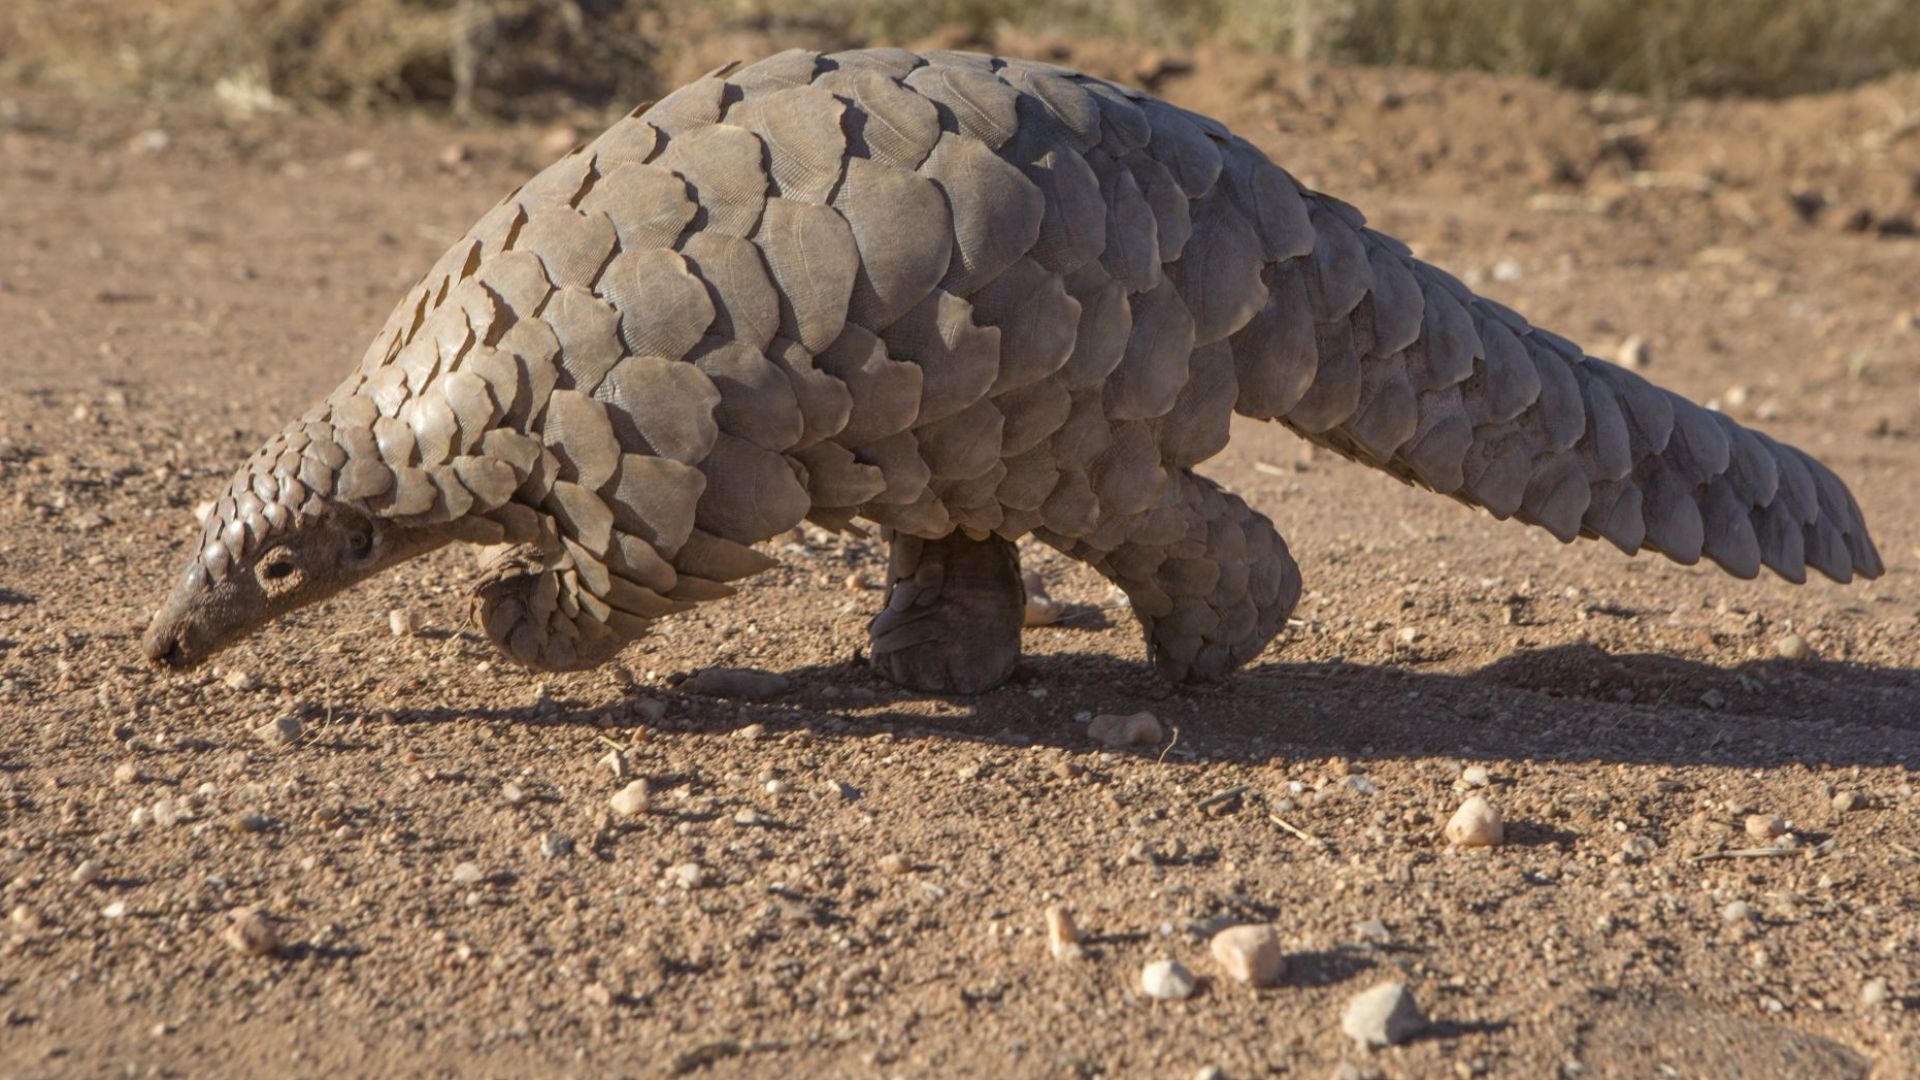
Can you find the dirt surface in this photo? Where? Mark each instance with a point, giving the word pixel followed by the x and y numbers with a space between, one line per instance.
pixel 871 867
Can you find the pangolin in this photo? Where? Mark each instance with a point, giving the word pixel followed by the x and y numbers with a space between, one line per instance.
pixel 967 299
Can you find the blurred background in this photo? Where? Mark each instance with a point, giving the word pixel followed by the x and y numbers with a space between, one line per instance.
pixel 532 59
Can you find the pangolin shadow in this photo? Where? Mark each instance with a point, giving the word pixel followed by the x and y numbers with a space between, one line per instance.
pixel 1569 703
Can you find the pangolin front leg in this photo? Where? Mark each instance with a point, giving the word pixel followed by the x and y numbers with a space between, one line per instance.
pixel 529 601
pixel 953 614
pixel 1209 578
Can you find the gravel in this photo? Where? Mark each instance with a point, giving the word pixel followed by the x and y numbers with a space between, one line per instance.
pixel 746 684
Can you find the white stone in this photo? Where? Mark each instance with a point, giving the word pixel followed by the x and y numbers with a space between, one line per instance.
pixel 1476 824
pixel 1386 1015
pixel 1166 980
pixel 1063 935
pixel 631 800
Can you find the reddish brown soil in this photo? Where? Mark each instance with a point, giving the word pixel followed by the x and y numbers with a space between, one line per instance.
pixel 166 306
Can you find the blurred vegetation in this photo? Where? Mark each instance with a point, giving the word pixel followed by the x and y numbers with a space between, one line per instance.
pixel 526 57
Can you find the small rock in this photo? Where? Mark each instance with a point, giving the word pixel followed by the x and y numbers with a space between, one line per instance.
pixel 857 581
pixel 1166 980
pixel 1476 776
pixel 513 793
pixel 631 800
pixel 1847 802
pixel 1737 911
pixel 127 773
pixel 1876 993
pixel 1042 608
pixel 25 918
pixel 554 845
pixel 895 863
pixel 166 813
pixel 1063 935
pixel 748 816
pixel 400 622
pixel 1359 785
pixel 1249 954
pixel 1137 729
pixel 1634 353
pixel 1766 826
pixel 87 873
pixel 468 874
pixel 778 787
pixel 1476 824
pixel 1386 1015
pixel 842 790
pixel 749 684
pixel 250 931
pixel 151 141
pixel 1714 699
pixel 750 732
pixel 1067 769
pixel 1794 647
pixel 687 875
pixel 243 681
pixel 1373 931
pixel 140 818
pixel 1210 1072
pixel 281 731
pixel 616 763
pixel 115 910
pixel 252 821
pixel 1506 270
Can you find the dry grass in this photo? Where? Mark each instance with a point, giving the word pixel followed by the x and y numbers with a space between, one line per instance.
pixel 530 56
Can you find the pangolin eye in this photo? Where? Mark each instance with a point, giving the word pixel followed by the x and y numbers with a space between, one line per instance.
pixel 278 569
pixel 359 542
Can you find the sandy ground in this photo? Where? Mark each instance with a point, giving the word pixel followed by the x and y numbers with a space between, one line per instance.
pixel 871 867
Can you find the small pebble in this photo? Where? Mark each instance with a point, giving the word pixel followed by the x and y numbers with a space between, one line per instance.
pixel 687 875
pixel 281 731
pixel 468 874
pixel 250 931
pixel 1876 993
pixel 1476 776
pixel 778 787
pixel 1042 608
pixel 1766 826
pixel 750 732
pixel 1794 647
pixel 400 622
pixel 1373 931
pixel 895 863
pixel 252 821
pixel 115 910
pixel 127 773
pixel 748 684
pixel 748 816
pixel 1249 954
pixel 513 793
pixel 1210 1072
pixel 1737 911
pixel 1166 980
pixel 1063 935
pixel 631 800
pixel 1848 801
pixel 1634 353
pixel 242 681
pixel 1386 1015
pixel 1138 729
pixel 1476 824
pixel 141 817
pixel 87 873
pixel 553 845
pixel 166 813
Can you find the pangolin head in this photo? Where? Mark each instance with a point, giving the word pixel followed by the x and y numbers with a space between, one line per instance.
pixel 277 540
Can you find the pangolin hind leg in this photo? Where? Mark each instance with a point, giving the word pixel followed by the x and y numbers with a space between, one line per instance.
pixel 953 614
pixel 1209 577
